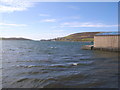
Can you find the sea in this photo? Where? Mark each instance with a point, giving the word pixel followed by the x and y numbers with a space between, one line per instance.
pixel 54 64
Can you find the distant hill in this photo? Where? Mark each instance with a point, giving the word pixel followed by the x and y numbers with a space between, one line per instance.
pixel 85 36
pixel 13 38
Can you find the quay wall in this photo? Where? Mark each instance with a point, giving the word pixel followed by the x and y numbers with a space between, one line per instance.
pixel 107 42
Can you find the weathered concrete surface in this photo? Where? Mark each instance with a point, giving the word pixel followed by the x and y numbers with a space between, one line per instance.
pixel 91 47
pixel 107 49
pixel 87 47
pixel 107 41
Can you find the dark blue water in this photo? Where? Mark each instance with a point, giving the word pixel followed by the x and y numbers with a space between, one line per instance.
pixel 45 64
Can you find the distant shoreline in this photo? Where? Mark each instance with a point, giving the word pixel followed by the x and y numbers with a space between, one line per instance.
pixel 76 37
pixel 63 41
pixel 40 40
pixel 15 39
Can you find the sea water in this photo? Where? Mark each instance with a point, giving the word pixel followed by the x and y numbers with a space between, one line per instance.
pixel 53 64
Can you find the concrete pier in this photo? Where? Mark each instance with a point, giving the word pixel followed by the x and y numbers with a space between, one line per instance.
pixel 108 41
pixel 91 47
pixel 108 49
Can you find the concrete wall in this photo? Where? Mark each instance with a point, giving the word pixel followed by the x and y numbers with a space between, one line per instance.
pixel 107 41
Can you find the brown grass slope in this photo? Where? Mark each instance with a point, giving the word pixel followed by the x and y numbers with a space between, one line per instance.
pixel 85 36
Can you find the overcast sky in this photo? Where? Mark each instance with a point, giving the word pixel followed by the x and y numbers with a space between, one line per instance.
pixel 45 20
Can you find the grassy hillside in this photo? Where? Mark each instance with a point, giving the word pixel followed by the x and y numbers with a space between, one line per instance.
pixel 85 36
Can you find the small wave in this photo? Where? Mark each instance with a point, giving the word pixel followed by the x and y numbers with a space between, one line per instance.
pixel 75 64
pixel 66 57
pixel 85 59
pixel 23 79
pixel 27 61
pixel 30 51
pixel 58 65
pixel 50 53
pixel 34 61
pixel 64 65
pixel 78 55
pixel 1 68
pixel 60 81
pixel 72 64
pixel 81 63
pixel 53 47
pixel 11 49
pixel 26 66
pixel 86 62
pixel 33 72
pixel 8 62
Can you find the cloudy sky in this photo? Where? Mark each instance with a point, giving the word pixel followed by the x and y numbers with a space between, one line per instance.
pixel 45 20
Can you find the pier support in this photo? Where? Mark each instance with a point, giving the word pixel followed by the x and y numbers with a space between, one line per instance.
pixel 91 47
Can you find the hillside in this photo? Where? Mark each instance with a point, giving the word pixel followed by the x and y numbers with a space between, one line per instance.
pixel 14 38
pixel 85 36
